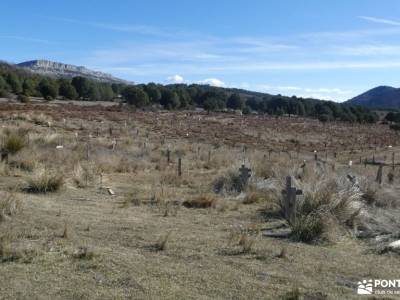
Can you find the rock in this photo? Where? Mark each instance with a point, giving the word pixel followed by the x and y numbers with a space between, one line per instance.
pixel 394 245
pixel 54 69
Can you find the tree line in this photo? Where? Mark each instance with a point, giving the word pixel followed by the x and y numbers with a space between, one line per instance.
pixel 177 96
pixel 394 120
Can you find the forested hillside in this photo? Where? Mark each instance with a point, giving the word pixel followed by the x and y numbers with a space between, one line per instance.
pixel 14 80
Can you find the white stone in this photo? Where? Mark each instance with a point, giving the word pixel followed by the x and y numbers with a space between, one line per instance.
pixel 394 245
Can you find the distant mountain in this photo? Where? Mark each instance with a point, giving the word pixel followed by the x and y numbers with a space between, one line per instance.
pixel 379 97
pixel 55 69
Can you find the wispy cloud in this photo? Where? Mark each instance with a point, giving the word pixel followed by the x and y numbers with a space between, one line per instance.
pixel 306 92
pixel 143 51
pixel 369 50
pixel 141 29
pixel 25 39
pixel 381 20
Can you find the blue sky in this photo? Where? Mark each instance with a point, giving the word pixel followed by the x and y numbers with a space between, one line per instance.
pixel 331 49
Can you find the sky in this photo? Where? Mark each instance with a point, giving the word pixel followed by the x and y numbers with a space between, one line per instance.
pixel 327 49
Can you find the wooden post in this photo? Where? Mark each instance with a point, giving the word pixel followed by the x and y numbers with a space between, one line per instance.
pixel 87 150
pixel 393 161
pixel 180 167
pixel 379 174
pixel 168 156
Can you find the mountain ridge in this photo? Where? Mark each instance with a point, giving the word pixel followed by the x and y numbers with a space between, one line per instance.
pixel 57 69
pixel 379 97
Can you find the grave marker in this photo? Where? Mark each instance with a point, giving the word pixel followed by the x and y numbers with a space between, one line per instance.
pixel 290 194
pixel 245 174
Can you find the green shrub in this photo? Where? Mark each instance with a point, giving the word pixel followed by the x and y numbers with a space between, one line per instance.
pixel 23 99
pixel 308 228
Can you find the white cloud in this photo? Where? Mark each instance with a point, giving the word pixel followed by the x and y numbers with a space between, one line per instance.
pixel 175 79
pixel 213 82
pixel 306 92
pixel 288 88
pixel 381 20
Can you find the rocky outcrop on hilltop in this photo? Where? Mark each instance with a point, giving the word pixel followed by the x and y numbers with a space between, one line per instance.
pixel 55 69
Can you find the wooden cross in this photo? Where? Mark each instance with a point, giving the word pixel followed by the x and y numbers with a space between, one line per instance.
pixel 245 174
pixel 290 194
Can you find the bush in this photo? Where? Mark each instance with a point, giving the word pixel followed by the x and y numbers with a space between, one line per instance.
pixel 4 94
pixel 395 127
pixel 44 182
pixel 308 228
pixel 327 203
pixel 85 174
pixel 229 183
pixel 23 99
pixel 14 142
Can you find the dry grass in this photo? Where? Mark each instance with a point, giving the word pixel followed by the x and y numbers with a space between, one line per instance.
pixel 326 203
pixel 10 205
pixel 44 181
pixel 83 252
pixel 161 244
pixel 253 198
pixel 85 174
pixel 109 248
pixel 14 141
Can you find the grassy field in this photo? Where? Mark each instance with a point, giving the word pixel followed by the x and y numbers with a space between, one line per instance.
pixel 92 209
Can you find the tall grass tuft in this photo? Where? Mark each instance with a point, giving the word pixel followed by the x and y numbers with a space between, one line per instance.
pixel 44 181
pixel 10 205
pixel 14 141
pixel 327 204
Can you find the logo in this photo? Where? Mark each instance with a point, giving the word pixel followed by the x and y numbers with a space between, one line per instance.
pixel 378 287
pixel 365 287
